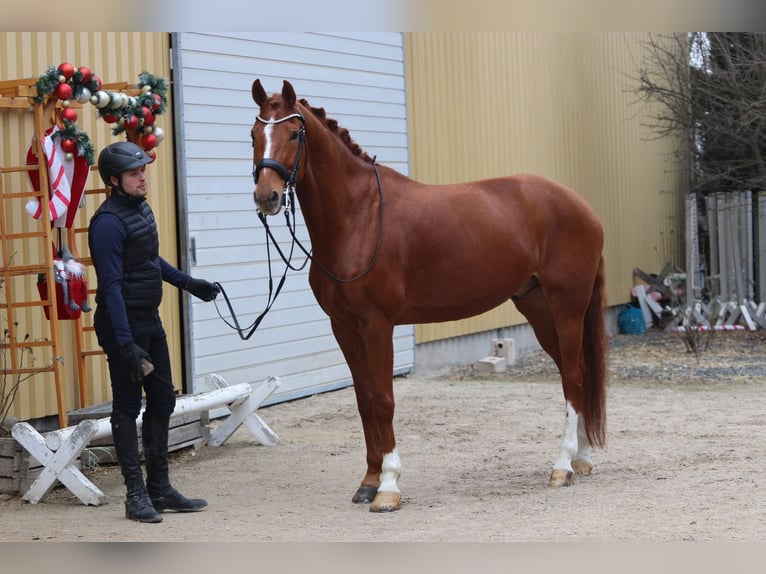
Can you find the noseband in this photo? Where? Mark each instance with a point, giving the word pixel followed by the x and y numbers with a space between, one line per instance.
pixel 289 177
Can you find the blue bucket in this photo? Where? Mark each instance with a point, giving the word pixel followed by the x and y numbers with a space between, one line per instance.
pixel 630 321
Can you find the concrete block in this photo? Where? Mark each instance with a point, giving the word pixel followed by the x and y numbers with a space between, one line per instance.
pixel 491 365
pixel 505 348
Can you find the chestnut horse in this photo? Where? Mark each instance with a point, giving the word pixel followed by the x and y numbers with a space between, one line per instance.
pixel 387 250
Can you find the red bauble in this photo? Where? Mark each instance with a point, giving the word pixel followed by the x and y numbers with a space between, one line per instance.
pixel 63 91
pixel 109 118
pixel 67 70
pixel 86 74
pixel 69 114
pixel 69 146
pixel 148 116
pixel 156 102
pixel 152 155
pixel 131 123
pixel 149 141
pixel 97 80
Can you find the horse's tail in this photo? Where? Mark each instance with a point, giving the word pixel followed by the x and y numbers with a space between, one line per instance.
pixel 594 353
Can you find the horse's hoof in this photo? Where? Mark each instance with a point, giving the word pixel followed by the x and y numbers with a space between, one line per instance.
pixel 386 502
pixel 561 478
pixel 365 494
pixel 582 467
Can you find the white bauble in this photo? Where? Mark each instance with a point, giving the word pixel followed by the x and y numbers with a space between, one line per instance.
pixel 84 96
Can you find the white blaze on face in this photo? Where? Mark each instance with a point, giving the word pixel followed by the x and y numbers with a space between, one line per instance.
pixel 389 472
pixel 267 133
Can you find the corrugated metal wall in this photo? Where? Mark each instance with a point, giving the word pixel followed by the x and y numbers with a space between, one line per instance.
pixel 558 104
pixel 114 57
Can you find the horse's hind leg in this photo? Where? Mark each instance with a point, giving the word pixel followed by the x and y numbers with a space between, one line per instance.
pixel 573 451
pixel 582 463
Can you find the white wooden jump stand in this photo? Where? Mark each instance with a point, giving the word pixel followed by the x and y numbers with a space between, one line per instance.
pixel 58 450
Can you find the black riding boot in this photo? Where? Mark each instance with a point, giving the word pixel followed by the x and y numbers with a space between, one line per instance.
pixel 138 506
pixel 163 495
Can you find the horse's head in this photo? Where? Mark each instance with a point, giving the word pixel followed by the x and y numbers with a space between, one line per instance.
pixel 278 142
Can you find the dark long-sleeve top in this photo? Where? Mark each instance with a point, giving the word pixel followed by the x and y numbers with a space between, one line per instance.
pixel 108 235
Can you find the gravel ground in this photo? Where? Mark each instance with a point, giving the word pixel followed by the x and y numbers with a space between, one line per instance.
pixel 683 462
pixel 659 356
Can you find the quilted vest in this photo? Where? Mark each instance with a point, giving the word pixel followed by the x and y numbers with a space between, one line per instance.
pixel 141 272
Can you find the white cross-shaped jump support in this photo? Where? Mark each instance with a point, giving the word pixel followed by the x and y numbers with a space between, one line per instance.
pixel 59 465
pixel 58 450
pixel 243 412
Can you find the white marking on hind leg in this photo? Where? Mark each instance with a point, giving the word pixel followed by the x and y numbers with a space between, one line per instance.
pixel 569 441
pixel 389 472
pixel 583 446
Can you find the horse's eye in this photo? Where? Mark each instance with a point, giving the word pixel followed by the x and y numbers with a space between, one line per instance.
pixel 294 136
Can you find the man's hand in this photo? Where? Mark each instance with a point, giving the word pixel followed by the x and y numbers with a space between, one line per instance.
pixel 131 355
pixel 202 289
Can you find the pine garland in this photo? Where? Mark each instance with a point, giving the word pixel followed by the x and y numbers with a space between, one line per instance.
pixel 47 83
pixel 152 100
pixel 84 146
pixel 149 85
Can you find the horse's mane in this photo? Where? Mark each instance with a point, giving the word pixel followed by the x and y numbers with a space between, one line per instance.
pixel 342 133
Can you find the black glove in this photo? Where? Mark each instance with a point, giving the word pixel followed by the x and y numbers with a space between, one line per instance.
pixel 202 289
pixel 137 361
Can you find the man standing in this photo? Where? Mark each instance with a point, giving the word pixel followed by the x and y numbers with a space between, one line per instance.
pixel 124 246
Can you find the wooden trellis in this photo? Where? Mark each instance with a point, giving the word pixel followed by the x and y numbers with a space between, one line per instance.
pixel 17 96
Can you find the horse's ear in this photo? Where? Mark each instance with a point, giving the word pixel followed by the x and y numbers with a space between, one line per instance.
pixel 259 94
pixel 288 94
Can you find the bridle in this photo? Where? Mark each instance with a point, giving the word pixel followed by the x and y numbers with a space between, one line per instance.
pixel 290 178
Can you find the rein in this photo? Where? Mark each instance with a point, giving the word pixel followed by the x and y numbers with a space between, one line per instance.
pixel 308 254
pixel 290 181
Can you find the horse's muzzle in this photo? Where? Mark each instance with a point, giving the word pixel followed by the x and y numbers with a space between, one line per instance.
pixel 271 204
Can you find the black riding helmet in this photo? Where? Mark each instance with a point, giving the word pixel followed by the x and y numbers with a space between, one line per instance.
pixel 119 157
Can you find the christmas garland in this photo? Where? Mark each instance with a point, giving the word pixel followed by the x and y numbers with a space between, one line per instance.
pixel 133 115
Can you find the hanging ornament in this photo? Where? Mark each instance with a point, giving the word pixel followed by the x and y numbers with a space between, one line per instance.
pixel 66 69
pixel 116 100
pixel 100 99
pixel 84 96
pixel 85 74
pixel 159 133
pixel 63 91
pixel 69 145
pixel 69 114
pixel 148 116
pixel 131 122
pixel 149 141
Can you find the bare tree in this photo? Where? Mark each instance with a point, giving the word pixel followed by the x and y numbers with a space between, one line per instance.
pixel 711 88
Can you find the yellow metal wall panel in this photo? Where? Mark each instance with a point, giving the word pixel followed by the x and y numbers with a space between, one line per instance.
pixel 559 104
pixel 114 57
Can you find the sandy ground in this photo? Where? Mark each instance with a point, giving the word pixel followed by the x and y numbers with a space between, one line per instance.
pixel 684 461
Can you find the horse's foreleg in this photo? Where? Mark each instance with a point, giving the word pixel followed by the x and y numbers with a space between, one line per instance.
pixel 370 358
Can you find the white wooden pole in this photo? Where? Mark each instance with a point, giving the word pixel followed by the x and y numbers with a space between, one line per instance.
pixel 188 404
